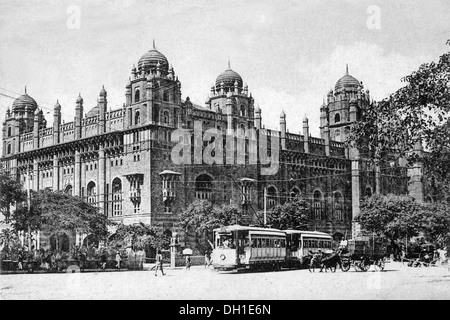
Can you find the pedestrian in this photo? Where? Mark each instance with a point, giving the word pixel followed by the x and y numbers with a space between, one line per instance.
pixel 188 262
pixel 207 259
pixel 159 263
pixel 20 261
pixel 103 260
pixel 118 259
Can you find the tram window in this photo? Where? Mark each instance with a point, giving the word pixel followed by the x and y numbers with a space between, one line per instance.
pixel 283 243
pixel 271 243
pixel 258 244
pixel 277 243
pixel 320 244
pixel 267 243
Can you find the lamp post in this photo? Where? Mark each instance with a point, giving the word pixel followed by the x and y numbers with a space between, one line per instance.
pixel 173 249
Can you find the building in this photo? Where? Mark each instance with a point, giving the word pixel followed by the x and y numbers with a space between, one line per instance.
pixel 120 160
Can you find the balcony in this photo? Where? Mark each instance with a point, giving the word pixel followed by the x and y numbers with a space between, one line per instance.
pixel 135 195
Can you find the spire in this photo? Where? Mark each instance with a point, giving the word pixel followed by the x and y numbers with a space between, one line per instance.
pixel 154 47
pixel 229 63
pixel 25 89
pixel 347 69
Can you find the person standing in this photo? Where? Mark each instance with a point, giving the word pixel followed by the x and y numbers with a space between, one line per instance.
pixel 188 262
pixel 159 263
pixel 103 260
pixel 118 259
pixel 207 259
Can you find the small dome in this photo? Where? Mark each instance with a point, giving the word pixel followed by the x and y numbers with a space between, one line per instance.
pixel 103 91
pixel 57 105
pixel 23 102
pixel 229 77
pixel 79 99
pixel 151 59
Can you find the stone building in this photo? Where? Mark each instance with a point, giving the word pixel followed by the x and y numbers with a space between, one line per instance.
pixel 120 160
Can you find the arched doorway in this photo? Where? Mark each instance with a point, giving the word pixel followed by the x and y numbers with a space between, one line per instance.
pixel 68 189
pixel 204 187
pixel 60 242
pixel 271 197
pixel 91 193
pixel 90 241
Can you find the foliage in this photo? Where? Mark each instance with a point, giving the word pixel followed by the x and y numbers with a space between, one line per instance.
pixel 8 240
pixel 58 212
pixel 201 217
pixel 398 217
pixel 294 214
pixel 140 236
pixel 416 114
pixel 11 192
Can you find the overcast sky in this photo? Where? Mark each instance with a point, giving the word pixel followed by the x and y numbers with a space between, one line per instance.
pixel 290 53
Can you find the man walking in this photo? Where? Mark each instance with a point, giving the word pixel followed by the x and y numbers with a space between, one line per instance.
pixel 159 263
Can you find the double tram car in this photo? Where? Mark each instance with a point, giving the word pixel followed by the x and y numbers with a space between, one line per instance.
pixel 300 244
pixel 242 247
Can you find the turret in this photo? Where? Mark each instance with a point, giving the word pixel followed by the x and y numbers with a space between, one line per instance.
pixel 78 116
pixel 326 137
pixel 102 107
pixel 283 130
pixel 128 92
pixel 36 125
pixel 306 134
pixel 323 118
pixel 258 119
pixel 56 122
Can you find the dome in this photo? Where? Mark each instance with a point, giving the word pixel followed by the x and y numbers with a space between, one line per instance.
pixel 150 59
pixel 347 82
pixel 229 77
pixel 24 101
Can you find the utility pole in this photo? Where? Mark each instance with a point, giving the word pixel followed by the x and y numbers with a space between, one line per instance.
pixel 265 206
pixel 29 208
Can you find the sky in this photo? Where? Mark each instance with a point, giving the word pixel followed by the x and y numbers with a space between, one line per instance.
pixel 290 53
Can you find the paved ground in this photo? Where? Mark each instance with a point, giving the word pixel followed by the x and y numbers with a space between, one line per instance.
pixel 396 282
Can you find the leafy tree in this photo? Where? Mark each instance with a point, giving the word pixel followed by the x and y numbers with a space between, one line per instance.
pixel 58 212
pixel 11 192
pixel 398 217
pixel 417 113
pixel 201 218
pixel 294 214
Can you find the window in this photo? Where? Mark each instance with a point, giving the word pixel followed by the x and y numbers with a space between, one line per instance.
pixel 337 135
pixel 317 205
pixel 166 117
pixel 9 131
pixel 271 197
pixel 137 95
pixel 91 192
pixel 337 118
pixel 137 117
pixel 117 197
pixel 9 148
pixel 204 187
pixel 338 206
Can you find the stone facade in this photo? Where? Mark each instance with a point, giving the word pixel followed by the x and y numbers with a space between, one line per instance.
pixel 120 159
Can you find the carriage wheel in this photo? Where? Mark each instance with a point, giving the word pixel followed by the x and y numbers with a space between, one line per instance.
pixel 333 268
pixel 365 265
pixel 345 266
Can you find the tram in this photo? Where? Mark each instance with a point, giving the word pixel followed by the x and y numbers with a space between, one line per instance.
pixel 301 244
pixel 242 247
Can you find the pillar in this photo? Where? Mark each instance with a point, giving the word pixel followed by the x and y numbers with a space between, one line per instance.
pixel 77 174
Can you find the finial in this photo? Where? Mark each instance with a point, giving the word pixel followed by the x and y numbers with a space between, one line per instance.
pixel 229 63
pixel 154 44
pixel 25 89
pixel 347 68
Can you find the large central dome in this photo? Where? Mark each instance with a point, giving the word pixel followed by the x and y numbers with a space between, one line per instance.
pixel 150 60
pixel 229 77
pixel 347 83
pixel 24 101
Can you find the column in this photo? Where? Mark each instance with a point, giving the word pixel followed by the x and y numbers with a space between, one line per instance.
pixel 356 194
pixel 101 178
pixel 77 174
pixel 35 175
pixel 55 173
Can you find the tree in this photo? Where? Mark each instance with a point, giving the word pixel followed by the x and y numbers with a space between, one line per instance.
pixel 398 217
pixel 416 114
pixel 201 218
pixel 58 212
pixel 294 214
pixel 11 193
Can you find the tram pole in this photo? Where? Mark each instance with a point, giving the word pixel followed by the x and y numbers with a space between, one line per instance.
pixel 265 206
pixel 29 208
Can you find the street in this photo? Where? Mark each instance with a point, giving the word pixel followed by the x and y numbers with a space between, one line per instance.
pixel 396 282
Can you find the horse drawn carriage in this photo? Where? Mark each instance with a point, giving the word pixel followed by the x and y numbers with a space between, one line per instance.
pixel 423 255
pixel 363 253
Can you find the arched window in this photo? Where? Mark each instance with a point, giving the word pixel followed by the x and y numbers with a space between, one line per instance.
pixel 117 197
pixel 271 197
pixel 166 117
pixel 91 192
pixel 242 111
pixel 9 132
pixel 9 149
pixel 338 206
pixel 337 135
pixel 317 205
pixel 204 187
pixel 295 193
pixel 337 118
pixel 368 191
pixel 137 95
pixel 68 190
pixel 137 117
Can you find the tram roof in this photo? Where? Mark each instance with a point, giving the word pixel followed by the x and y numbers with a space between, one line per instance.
pixel 237 227
pixel 315 233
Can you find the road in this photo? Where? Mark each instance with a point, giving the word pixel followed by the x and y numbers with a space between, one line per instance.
pixel 396 282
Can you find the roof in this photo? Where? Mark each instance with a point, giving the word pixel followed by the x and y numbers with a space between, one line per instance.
pixel 237 227
pixel 315 233
pixel 23 101
pixel 229 77
pixel 151 58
